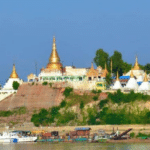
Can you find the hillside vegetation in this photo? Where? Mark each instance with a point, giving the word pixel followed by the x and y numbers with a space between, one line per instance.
pixel 118 108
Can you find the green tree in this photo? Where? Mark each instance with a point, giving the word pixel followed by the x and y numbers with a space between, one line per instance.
pixel 101 58
pixel 147 68
pixel 15 85
pixel 117 62
pixel 108 79
pixel 126 67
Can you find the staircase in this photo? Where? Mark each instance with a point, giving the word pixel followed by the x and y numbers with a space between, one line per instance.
pixel 33 96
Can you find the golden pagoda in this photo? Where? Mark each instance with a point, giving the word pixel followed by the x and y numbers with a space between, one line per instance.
pixel 131 74
pixel 14 73
pixel 136 65
pixel 105 71
pixel 54 60
pixel 145 78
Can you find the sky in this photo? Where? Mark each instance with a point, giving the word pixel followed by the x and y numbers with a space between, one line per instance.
pixel 81 27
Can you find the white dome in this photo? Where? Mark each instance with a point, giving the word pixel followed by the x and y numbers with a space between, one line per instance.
pixel 117 85
pixel 145 86
pixel 132 84
pixel 140 79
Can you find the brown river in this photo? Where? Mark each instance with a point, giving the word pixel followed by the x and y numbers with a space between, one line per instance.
pixel 75 146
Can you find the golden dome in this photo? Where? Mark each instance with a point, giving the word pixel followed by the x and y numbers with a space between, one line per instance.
pixel 145 78
pixel 54 60
pixel 14 73
pixel 136 65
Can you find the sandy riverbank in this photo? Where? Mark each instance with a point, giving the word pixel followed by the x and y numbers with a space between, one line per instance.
pixel 94 128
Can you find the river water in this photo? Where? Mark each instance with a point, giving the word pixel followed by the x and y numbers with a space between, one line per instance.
pixel 75 146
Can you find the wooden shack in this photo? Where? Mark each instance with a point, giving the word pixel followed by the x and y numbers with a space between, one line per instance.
pixel 80 132
pixel 46 136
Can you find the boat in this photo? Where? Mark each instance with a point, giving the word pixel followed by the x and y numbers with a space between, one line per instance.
pixel 25 136
pixel 15 137
pixel 8 137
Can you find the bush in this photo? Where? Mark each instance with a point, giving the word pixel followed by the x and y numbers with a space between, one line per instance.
pixel 32 83
pixel 54 111
pixel 44 83
pixel 94 91
pixel 63 104
pixel 102 103
pixel 95 98
pixel 15 85
pixel 119 97
pixel 66 117
pixel 67 91
pixel 5 113
pixel 99 91
pixel 132 135
pixel 81 105
pixel 50 84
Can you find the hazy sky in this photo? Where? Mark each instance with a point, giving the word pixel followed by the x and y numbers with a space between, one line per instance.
pixel 80 27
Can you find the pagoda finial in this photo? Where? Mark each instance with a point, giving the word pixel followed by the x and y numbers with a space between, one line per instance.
pixel 145 78
pixel 14 73
pixel 54 39
pixel 117 78
pixel 54 60
pixel 92 67
pixel 131 74
pixel 136 65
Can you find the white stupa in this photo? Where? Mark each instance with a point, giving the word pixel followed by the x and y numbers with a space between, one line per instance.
pixel 140 78
pixel 117 84
pixel 132 83
pixel 145 86
pixel 13 77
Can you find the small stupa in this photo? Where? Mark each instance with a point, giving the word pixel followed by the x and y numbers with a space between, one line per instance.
pixel 132 83
pixel 145 86
pixel 117 84
pixel 13 77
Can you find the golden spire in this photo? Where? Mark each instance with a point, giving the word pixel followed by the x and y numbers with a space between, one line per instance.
pixel 136 65
pixel 111 66
pixel 131 74
pixel 145 77
pixel 92 65
pixel 117 78
pixel 54 60
pixel 54 55
pixel 14 73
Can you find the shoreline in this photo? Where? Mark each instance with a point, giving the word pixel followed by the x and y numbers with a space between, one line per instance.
pixel 130 141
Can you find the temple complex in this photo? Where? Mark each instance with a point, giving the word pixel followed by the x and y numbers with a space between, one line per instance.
pixel 78 78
